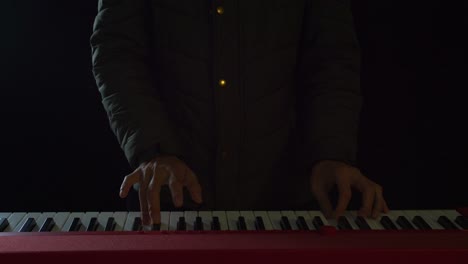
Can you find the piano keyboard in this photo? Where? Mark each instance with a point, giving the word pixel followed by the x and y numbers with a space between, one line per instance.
pixel 230 220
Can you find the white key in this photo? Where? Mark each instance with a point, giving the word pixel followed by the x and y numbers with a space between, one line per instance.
pixel 430 216
pixel 292 218
pixel 223 222
pixel 29 215
pixel 452 215
pixel 307 218
pixel 119 218
pixel 42 218
pixel 206 217
pixel 173 219
pixel 249 219
pixel 265 218
pixel 130 220
pixel 190 217
pixel 393 215
pixel 102 219
pixel 70 219
pixel 351 216
pixel 13 221
pixel 87 219
pixel 325 221
pixel 374 224
pixel 275 219
pixel 4 216
pixel 165 220
pixel 333 222
pixel 131 216
pixel 232 218
pixel 60 219
pixel 411 214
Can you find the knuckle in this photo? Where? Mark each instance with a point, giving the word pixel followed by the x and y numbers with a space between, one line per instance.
pixel 369 186
pixel 172 160
pixel 343 176
pixel 378 188
pixel 148 171
pixel 346 194
pixel 341 170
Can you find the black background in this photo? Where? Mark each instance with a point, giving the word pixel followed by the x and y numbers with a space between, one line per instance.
pixel 59 154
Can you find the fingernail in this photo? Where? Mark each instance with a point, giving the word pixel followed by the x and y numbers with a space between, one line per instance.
pixel 199 199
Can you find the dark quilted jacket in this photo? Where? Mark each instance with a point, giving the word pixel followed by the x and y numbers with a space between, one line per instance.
pixel 290 96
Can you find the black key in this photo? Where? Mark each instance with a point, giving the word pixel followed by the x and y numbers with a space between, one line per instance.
pixel 446 223
pixel 48 225
pixel 110 225
pixel 181 225
pixel 387 223
pixel 317 221
pixel 215 223
pixel 137 224
pixel 420 223
pixel 29 225
pixel 362 223
pixel 462 221
pixel 3 224
pixel 93 224
pixel 284 223
pixel 343 224
pixel 198 225
pixel 76 225
pixel 241 223
pixel 301 223
pixel 259 224
pixel 156 227
pixel 404 223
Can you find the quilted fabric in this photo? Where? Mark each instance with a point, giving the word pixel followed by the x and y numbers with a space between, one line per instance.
pixel 290 96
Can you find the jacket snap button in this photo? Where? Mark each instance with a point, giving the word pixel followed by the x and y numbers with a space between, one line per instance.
pixel 222 83
pixel 220 10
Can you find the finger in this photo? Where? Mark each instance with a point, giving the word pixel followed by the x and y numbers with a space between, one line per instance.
pixel 128 182
pixel 176 189
pixel 321 195
pixel 378 205
pixel 386 209
pixel 191 182
pixel 142 194
pixel 344 196
pixel 154 193
pixel 368 196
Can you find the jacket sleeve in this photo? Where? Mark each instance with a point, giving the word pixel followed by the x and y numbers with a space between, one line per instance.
pixel 329 95
pixel 121 57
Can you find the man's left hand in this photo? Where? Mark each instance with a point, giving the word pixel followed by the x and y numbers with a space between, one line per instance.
pixel 325 174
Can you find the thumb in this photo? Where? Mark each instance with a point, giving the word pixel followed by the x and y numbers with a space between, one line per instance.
pixel 344 195
pixel 193 186
pixel 128 182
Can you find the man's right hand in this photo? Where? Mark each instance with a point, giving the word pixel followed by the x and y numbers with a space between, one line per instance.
pixel 152 176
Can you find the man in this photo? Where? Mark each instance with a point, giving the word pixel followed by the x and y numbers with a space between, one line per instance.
pixel 238 104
